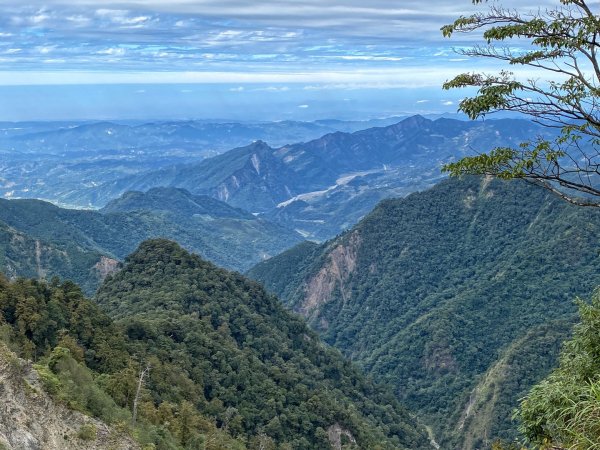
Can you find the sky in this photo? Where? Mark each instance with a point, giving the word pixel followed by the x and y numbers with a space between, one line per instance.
pixel 231 59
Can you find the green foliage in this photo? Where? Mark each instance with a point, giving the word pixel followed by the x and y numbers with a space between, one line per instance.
pixel 40 240
pixel 77 387
pixel 87 432
pixel 49 379
pixel 275 272
pixel 563 410
pixel 502 387
pixel 229 367
pixel 430 293
pixel 241 358
pixel 559 43
pixel 93 368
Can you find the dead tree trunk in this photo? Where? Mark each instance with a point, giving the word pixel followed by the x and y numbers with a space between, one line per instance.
pixel 143 373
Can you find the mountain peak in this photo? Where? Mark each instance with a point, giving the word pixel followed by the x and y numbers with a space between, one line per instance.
pixel 222 326
pixel 155 250
pixel 415 121
pixel 175 201
pixel 259 144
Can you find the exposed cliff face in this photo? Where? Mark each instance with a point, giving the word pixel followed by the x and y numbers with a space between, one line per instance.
pixel 31 420
pixel 105 267
pixel 334 275
pixel 338 436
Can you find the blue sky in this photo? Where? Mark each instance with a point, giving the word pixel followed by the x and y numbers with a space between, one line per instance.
pixel 232 59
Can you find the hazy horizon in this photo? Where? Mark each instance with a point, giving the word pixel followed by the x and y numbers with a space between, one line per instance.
pixel 200 59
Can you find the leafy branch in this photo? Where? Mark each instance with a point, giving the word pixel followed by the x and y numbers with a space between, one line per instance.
pixel 562 44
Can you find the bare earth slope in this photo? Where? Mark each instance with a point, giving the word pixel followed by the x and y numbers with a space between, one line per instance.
pixel 31 420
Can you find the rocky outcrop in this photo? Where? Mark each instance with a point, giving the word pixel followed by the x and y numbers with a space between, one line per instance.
pixel 106 266
pixel 335 274
pixel 31 420
pixel 338 436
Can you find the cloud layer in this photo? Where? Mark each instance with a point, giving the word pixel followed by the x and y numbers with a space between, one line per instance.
pixel 234 36
pixel 223 58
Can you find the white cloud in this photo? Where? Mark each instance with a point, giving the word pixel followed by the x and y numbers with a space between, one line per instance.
pixel 274 89
pixel 115 51
pixel 133 20
pixel 237 89
pixel 225 35
pixel 369 58
pixel 44 50
pixel 349 79
pixel 123 17
pixel 39 18
pixel 303 106
pixel 447 103
pixel 103 12
pixel 422 101
pixel 79 20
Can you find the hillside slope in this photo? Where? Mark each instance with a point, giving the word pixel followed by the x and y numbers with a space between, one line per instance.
pixel 38 239
pixel 431 292
pixel 255 366
pixel 30 419
pixel 22 255
pixel 224 365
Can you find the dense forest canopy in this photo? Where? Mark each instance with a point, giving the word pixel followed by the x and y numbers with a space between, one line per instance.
pixel 41 240
pixel 436 292
pixel 227 364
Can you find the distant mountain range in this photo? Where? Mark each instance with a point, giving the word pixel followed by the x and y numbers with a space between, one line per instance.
pixel 321 187
pixel 318 188
pixel 156 137
pixel 55 160
pixel 40 240
pixel 458 296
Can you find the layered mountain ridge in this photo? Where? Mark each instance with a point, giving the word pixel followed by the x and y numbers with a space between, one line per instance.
pixel 41 240
pixel 318 187
pixel 65 162
pixel 321 187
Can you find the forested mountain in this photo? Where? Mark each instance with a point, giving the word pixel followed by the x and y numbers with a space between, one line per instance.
pixel 38 239
pixel 459 296
pixel 322 187
pixel 175 201
pixel 228 366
